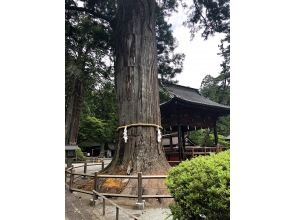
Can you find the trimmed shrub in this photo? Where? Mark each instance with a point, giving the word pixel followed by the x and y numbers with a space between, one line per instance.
pixel 79 154
pixel 201 186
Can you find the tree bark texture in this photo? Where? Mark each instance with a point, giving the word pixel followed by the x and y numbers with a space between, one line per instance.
pixel 73 112
pixel 137 95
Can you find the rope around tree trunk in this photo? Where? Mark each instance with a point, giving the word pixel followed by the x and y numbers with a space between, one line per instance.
pixel 141 124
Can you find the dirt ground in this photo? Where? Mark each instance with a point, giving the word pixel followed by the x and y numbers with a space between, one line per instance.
pixel 77 207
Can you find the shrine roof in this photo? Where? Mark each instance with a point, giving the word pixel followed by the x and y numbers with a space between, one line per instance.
pixel 190 95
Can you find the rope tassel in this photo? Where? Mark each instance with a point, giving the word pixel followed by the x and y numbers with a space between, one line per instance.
pixel 126 134
pixel 158 135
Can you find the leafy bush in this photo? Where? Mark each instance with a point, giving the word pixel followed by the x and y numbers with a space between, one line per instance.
pixel 222 141
pixel 201 186
pixel 223 125
pixel 79 154
pixel 203 138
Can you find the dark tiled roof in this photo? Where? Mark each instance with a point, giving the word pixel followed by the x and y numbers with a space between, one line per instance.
pixel 190 95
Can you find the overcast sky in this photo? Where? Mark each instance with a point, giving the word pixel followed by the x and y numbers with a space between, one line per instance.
pixel 201 56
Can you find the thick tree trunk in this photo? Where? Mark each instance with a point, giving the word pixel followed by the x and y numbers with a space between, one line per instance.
pixel 137 94
pixel 73 111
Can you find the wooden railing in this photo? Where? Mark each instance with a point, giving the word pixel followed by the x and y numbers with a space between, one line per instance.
pixel 85 165
pixel 190 152
pixel 97 176
pixel 71 172
pixel 117 207
pixel 139 177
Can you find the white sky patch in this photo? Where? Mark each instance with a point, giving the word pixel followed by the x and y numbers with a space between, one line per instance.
pixel 201 56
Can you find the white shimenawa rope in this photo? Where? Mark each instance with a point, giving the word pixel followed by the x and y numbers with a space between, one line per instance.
pixel 125 134
pixel 125 127
pixel 158 135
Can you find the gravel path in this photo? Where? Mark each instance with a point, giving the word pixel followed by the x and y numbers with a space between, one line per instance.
pixel 147 214
pixel 77 207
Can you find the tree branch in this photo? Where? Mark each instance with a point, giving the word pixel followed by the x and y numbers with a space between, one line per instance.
pixel 94 13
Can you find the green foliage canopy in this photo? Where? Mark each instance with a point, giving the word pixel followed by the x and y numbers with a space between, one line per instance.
pixel 210 17
pixel 203 137
pixel 213 89
pixel 92 129
pixel 99 119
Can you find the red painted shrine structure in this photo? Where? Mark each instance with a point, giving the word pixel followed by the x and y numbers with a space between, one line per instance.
pixel 188 110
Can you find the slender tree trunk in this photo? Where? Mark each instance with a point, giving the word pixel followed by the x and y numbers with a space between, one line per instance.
pixel 73 112
pixel 102 150
pixel 137 93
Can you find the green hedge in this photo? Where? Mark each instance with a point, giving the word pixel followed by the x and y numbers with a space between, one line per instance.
pixel 201 186
pixel 79 154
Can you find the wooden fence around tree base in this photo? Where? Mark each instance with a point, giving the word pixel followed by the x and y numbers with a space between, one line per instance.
pixel 97 176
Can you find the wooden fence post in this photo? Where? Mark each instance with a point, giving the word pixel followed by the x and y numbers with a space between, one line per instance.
pixel 93 199
pixel 117 213
pixel 95 181
pixel 68 162
pixel 140 187
pixel 85 167
pixel 103 211
pixel 102 164
pixel 71 180
pixel 140 203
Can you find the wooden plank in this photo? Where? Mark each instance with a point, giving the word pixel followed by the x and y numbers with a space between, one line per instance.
pixel 94 164
pixel 83 174
pixel 69 169
pixel 81 191
pixel 196 153
pixel 157 196
pixel 78 166
pixel 118 195
pixel 116 176
pixel 125 176
pixel 154 177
